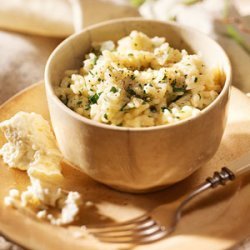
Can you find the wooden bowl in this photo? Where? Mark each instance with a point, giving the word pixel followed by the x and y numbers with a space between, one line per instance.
pixel 137 159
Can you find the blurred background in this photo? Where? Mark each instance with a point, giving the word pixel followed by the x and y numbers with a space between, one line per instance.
pixel 31 29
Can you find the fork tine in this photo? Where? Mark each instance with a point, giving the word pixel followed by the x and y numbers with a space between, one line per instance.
pixel 124 231
pixel 145 238
pixel 119 226
pixel 154 237
pixel 135 233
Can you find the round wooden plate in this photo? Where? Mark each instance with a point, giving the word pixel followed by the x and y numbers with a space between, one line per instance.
pixel 217 220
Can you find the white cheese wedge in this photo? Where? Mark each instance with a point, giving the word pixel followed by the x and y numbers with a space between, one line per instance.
pixel 31 146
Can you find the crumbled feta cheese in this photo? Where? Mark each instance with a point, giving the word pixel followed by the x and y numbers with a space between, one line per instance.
pixel 8 201
pixel 69 209
pixel 41 214
pixel 14 193
pixel 31 147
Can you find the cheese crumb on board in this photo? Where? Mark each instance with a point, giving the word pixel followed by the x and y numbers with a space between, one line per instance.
pixel 31 147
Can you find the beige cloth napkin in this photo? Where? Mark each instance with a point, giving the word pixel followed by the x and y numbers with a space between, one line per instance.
pixel 41 26
pixel 59 18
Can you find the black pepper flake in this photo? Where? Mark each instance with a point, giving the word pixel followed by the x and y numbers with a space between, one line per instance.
pixel 153 109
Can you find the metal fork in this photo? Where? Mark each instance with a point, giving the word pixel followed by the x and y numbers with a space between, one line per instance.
pixel 155 225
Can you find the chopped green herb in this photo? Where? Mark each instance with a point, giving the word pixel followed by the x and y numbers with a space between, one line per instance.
pixel 123 106
pixel 137 3
pixel 190 2
pixel 79 102
pixel 91 73
pixel 95 60
pixel 130 54
pixel 87 106
pixel 114 89
pixel 131 91
pixel 195 79
pixel 132 77
pixel 164 78
pixel 94 98
pixel 178 89
pixel 140 86
pixel 106 116
pixel 99 79
pixel 173 18
pixel 120 124
pixel 64 99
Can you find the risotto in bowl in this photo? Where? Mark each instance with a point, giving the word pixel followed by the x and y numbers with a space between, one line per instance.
pixel 139 82
pixel 138 104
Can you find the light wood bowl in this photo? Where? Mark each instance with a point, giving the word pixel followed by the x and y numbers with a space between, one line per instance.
pixel 137 159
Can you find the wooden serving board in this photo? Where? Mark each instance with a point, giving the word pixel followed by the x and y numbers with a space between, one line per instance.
pixel 216 220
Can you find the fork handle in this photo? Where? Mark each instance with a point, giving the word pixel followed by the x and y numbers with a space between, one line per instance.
pixel 218 178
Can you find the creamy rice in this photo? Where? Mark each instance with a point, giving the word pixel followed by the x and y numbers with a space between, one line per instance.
pixel 139 82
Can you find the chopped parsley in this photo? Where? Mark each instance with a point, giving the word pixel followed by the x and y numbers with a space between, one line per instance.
pixel 130 54
pixel 178 89
pixel 106 116
pixel 95 60
pixel 79 102
pixel 87 106
pixel 132 77
pixel 91 73
pixel 94 98
pixel 123 106
pixel 130 91
pixel 64 99
pixel 195 79
pixel 113 89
